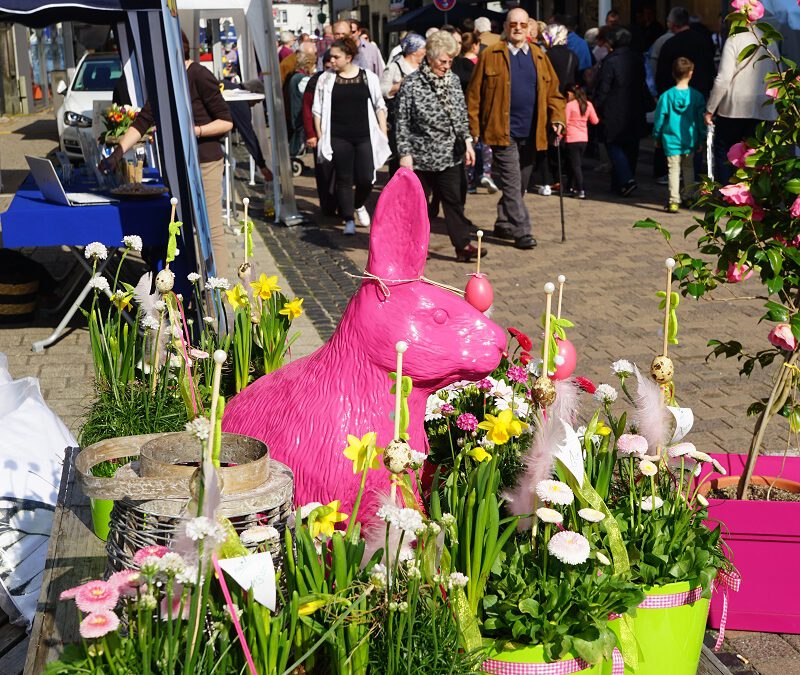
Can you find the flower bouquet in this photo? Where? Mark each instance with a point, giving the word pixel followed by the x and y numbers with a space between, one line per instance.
pixel 118 119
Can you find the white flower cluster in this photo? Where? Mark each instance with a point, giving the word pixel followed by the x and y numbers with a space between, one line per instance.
pixel 193 277
pixel 554 492
pixel 456 580
pixel 569 547
pixel 417 459
pixel 217 284
pixel 133 242
pixel 413 570
pixel 199 427
pixel 100 283
pixel 258 534
pixel 605 393
pixel 379 576
pixel 202 528
pixel 188 575
pixel 407 520
pixel 150 322
pixel 95 250
pixel 159 305
pixel 622 368
pixel 208 320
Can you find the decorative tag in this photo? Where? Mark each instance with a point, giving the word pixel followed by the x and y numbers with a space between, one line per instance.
pixel 570 453
pixel 254 572
pixel 684 419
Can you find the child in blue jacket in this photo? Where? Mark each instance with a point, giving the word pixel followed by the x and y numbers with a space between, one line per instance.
pixel 680 130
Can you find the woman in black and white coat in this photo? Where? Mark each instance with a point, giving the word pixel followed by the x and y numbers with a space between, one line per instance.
pixel 433 136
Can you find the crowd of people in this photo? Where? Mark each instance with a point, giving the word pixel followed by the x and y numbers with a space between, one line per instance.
pixel 483 106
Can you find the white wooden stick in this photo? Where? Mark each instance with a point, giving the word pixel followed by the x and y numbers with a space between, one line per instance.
pixel 480 237
pixel 246 203
pixel 561 280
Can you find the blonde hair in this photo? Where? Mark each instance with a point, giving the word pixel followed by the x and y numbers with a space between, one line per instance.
pixel 441 42
pixel 306 63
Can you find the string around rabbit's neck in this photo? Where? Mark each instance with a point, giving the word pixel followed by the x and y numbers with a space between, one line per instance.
pixel 383 283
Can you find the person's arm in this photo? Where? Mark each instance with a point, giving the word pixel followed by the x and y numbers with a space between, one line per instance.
pixel 374 84
pixel 722 83
pixel 605 78
pixel 388 86
pixel 144 121
pixel 316 108
pixel 308 117
pixel 658 117
pixel 474 95
pixel 402 127
pixel 216 106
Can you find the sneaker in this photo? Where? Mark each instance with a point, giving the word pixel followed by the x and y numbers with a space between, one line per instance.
pixel 349 227
pixel 489 184
pixel 469 253
pixel 580 194
pixel 628 188
pixel 545 190
pixel 662 180
pixel 363 216
pixel 671 208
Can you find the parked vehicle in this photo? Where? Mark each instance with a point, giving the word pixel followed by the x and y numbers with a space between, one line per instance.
pixel 95 79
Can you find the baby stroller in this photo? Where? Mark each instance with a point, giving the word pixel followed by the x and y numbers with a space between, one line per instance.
pixel 296 154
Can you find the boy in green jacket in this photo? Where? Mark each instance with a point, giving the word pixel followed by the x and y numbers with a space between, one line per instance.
pixel 680 130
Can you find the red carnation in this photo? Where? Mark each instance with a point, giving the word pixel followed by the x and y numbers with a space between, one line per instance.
pixel 586 384
pixel 525 358
pixel 524 340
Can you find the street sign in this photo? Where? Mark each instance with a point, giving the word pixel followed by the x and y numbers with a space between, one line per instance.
pixel 444 5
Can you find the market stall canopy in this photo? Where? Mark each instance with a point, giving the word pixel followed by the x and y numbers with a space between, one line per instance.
pixel 422 18
pixel 150 47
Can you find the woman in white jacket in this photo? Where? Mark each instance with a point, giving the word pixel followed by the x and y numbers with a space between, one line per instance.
pixel 738 101
pixel 350 119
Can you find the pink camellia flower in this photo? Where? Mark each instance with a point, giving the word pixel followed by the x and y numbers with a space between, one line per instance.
pixel 148 551
pixel 772 92
pixel 738 153
pixel 96 596
pixel 795 208
pixel 738 194
pixel 126 581
pixel 98 624
pixel 752 9
pixel 782 337
pixel 631 445
pixel 758 213
pixel 739 272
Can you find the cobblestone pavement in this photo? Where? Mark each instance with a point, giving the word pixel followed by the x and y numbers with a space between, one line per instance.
pixel 613 273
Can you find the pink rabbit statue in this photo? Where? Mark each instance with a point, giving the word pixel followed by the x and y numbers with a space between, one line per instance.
pixel 305 410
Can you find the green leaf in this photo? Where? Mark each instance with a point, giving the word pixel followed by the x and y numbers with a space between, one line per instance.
pixel 528 606
pixel 775 260
pixel 793 185
pixel 650 224
pixel 695 289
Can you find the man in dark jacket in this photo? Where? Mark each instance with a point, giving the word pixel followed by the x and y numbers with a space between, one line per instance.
pixel 619 99
pixel 691 44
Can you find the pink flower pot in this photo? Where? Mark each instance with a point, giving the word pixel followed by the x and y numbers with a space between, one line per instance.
pixel 765 545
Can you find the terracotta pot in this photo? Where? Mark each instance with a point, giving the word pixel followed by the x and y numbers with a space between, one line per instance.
pixel 765 545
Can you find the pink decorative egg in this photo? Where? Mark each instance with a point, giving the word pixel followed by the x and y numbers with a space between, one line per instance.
pixel 479 292
pixel 565 360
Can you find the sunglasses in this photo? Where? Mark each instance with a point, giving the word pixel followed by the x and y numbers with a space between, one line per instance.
pixel 517 24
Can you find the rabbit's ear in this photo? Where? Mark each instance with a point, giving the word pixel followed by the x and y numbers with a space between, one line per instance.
pixel 400 233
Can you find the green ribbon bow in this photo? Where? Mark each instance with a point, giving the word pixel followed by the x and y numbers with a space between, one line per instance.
pixel 172 244
pixel 247 229
pixel 557 330
pixel 672 324
pixel 405 391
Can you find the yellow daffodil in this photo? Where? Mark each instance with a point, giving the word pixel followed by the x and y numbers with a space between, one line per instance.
pixel 327 516
pixel 292 309
pixel 503 427
pixel 122 300
pixel 237 296
pixel 479 454
pixel 602 429
pixel 310 607
pixel 363 452
pixel 265 286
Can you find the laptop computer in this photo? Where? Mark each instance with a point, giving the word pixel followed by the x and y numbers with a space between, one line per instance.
pixel 44 173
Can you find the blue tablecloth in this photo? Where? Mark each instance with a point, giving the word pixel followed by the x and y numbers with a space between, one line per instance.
pixel 32 221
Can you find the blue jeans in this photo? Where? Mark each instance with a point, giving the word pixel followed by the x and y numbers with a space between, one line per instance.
pixel 623 158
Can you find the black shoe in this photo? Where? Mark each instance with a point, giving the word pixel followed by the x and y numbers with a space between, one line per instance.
pixel 524 242
pixel 469 253
pixel 628 188
pixel 502 234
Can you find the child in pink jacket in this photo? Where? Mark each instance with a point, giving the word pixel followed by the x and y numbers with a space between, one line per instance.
pixel 580 113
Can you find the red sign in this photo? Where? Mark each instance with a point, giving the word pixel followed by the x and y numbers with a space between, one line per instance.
pixel 444 5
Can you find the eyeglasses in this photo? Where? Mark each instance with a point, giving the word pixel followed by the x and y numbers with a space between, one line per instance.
pixel 517 24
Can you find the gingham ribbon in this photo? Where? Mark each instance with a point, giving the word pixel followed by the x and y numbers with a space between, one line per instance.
pixel 671 599
pixel 726 581
pixel 558 668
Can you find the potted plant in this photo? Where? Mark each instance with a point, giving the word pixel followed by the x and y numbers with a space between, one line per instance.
pixel 751 227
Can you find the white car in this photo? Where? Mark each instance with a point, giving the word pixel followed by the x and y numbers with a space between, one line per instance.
pixel 95 79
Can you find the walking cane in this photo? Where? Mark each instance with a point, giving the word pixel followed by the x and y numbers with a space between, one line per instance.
pixel 561 187
pixel 710 151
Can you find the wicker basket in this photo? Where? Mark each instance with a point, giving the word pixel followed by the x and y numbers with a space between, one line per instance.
pixel 151 493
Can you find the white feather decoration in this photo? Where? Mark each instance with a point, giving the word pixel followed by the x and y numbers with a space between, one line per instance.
pixel 144 298
pixel 374 533
pixel 567 401
pixel 652 417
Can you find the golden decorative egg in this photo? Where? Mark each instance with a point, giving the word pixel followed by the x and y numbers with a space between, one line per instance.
pixel 543 391
pixel 662 369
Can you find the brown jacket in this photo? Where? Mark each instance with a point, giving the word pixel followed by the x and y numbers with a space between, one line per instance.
pixel 489 96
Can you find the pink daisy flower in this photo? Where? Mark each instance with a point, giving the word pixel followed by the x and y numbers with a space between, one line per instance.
pixel 96 596
pixel 467 422
pixel 100 623
pixel 147 551
pixel 126 581
pixel 70 593
pixel 631 445
pixel 517 374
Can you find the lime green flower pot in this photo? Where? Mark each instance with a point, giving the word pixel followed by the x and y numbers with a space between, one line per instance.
pixel 101 516
pixel 668 640
pixel 530 654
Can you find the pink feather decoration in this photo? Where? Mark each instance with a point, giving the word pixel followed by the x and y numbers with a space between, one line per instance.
pixel 567 401
pixel 538 461
pixel 652 417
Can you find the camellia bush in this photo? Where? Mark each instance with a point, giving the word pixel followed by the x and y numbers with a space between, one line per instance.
pixel 751 227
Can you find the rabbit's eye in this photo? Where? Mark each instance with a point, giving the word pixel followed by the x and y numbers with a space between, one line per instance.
pixel 440 316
